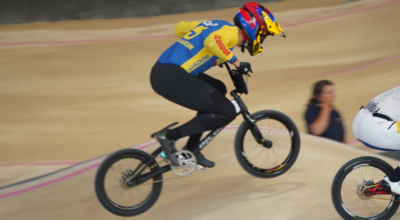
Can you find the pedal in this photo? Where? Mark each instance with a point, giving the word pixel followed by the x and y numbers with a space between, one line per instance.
pixel 199 167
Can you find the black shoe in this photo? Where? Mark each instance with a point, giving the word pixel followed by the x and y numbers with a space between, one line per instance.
pixel 168 146
pixel 385 186
pixel 201 160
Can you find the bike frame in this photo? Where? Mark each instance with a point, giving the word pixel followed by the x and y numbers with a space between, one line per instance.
pixel 241 87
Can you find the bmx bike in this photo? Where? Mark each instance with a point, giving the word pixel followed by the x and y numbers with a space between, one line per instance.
pixel 267 144
pixel 359 192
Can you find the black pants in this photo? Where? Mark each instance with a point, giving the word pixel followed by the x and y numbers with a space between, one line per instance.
pixel 203 93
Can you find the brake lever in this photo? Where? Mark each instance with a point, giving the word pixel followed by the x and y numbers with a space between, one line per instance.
pixel 244 73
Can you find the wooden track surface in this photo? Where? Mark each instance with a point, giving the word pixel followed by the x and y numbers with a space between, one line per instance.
pixel 72 91
pixel 223 192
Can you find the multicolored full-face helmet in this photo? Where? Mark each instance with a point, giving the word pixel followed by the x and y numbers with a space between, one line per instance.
pixel 256 23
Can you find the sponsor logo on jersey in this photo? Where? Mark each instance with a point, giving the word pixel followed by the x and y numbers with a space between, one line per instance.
pixel 398 127
pixel 198 63
pixel 186 44
pixel 221 45
pixel 372 106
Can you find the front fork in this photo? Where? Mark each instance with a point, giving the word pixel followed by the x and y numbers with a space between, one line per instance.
pixel 256 131
pixel 251 123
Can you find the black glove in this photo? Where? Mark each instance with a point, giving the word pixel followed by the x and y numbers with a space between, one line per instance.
pixel 244 68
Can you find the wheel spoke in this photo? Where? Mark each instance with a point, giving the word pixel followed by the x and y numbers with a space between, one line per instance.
pixel 275 131
pixel 120 187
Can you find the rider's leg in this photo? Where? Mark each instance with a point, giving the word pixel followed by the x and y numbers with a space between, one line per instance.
pixel 220 86
pixel 176 85
pixel 219 114
pixel 167 145
pixel 195 139
pixel 192 144
pixel 395 175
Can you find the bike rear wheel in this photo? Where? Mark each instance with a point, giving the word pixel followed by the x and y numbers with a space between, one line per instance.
pixel 116 188
pixel 347 190
pixel 265 162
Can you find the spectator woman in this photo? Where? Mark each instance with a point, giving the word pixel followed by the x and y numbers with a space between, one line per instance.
pixel 321 117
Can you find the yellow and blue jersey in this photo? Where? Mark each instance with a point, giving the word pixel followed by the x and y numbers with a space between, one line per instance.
pixel 202 45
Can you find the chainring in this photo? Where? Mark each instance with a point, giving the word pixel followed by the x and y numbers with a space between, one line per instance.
pixel 187 163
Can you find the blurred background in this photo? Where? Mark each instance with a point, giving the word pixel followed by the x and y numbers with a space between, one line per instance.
pixel 74 79
pixel 15 12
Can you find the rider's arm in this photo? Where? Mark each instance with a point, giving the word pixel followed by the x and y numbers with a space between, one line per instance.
pixel 321 121
pixel 219 42
pixel 183 27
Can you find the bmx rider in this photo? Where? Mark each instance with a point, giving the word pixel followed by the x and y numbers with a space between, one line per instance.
pixel 179 76
pixel 377 125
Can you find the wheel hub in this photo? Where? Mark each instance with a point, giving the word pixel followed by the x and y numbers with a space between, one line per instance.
pixel 268 144
pixel 125 181
pixel 362 193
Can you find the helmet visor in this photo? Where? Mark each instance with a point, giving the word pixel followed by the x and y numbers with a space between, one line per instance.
pixel 272 25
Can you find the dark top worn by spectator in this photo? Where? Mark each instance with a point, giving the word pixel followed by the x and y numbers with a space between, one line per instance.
pixel 335 129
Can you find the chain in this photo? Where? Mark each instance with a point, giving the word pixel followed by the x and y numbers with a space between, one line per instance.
pixel 394 200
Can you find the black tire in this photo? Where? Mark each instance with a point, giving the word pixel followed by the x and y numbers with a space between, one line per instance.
pixel 365 167
pixel 100 188
pixel 292 145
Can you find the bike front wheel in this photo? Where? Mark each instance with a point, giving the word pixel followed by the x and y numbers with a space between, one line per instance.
pixel 349 186
pixel 272 161
pixel 117 188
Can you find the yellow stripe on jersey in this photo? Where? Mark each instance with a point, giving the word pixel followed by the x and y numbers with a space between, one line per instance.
pixel 183 27
pixel 201 57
